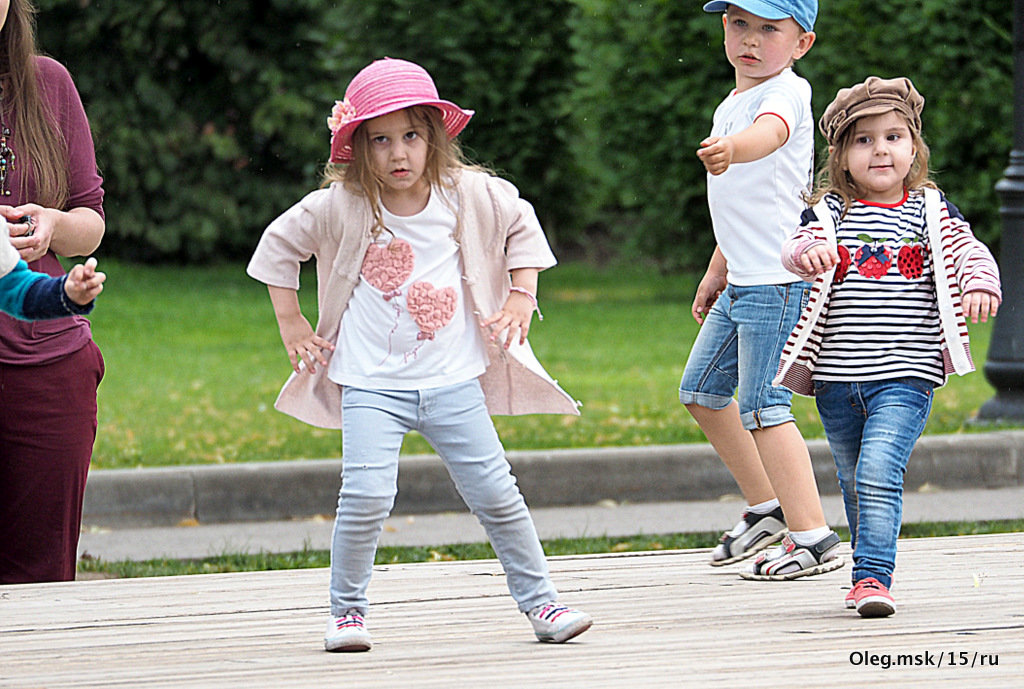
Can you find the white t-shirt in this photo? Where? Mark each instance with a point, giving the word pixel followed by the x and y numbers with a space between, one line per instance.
pixel 756 206
pixel 408 325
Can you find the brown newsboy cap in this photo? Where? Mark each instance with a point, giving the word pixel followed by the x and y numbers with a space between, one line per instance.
pixel 874 96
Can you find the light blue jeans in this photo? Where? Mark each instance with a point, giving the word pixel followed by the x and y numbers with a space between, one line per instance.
pixel 454 420
pixel 737 351
pixel 872 428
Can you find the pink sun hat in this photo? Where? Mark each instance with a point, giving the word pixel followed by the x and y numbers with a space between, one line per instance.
pixel 382 87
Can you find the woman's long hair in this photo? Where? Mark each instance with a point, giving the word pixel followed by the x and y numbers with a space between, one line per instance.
pixel 38 142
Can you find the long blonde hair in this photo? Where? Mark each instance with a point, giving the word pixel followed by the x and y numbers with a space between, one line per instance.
pixel 444 161
pixel 37 138
pixel 834 176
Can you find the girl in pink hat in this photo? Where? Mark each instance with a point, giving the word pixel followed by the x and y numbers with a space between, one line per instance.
pixel 427 273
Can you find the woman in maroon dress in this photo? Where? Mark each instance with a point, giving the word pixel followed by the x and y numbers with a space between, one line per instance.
pixel 51 197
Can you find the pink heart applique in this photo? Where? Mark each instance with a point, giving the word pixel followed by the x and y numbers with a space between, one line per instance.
pixel 387 266
pixel 431 308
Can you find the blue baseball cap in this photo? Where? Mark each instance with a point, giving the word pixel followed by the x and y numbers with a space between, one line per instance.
pixel 803 11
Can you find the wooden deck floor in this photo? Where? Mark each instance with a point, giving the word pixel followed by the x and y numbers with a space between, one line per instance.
pixel 663 619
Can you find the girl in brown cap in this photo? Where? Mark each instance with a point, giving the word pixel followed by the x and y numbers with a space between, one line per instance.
pixel 896 272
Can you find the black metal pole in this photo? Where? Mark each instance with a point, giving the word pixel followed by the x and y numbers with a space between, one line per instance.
pixel 1004 367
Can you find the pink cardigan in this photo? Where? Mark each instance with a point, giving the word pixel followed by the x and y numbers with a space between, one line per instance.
pixel 498 232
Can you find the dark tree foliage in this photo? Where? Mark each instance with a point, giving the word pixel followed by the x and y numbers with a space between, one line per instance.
pixel 210 117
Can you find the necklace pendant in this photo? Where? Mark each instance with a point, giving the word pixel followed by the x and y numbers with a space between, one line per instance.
pixel 6 154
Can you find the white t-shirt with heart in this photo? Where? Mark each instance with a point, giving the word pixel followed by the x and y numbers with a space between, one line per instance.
pixel 408 325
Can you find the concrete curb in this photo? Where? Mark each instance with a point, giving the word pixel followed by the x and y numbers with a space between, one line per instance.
pixel 272 491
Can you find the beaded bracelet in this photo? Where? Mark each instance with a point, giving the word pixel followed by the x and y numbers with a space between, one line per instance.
pixel 533 298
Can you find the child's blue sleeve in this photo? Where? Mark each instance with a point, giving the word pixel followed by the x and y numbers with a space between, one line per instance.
pixel 31 296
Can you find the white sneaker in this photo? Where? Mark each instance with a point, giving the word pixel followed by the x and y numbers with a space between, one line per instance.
pixel 347 633
pixel 555 623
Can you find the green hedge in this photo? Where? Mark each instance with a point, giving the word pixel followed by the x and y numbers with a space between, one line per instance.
pixel 210 116
pixel 649 77
pixel 202 114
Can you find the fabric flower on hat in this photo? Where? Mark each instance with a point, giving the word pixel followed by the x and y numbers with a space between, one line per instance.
pixel 342 113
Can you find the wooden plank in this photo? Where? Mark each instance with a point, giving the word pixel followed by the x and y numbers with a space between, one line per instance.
pixel 663 619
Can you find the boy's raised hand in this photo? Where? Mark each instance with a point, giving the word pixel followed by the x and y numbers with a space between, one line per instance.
pixel 84 283
pixel 979 305
pixel 765 136
pixel 716 153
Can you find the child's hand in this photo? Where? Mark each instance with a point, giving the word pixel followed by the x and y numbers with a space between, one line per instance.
pixel 515 315
pixel 817 260
pixel 716 153
pixel 303 344
pixel 83 283
pixel 979 304
pixel 707 292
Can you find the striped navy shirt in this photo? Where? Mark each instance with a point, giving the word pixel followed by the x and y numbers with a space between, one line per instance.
pixel 883 317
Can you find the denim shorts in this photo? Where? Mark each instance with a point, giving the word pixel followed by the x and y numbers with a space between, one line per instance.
pixel 737 352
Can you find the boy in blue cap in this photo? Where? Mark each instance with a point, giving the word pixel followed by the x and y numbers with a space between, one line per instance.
pixel 759 158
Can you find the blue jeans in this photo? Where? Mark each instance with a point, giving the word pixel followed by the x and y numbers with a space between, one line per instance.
pixel 737 351
pixel 454 420
pixel 872 428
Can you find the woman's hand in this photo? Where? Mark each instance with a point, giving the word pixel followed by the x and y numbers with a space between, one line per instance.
pixel 31 229
pixel 34 230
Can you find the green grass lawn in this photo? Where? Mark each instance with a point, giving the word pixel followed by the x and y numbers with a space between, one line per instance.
pixel 194 363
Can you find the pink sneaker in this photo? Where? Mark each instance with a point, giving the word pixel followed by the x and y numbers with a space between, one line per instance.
pixel 872 598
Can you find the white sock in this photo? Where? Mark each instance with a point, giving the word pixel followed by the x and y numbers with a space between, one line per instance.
pixel 760 508
pixel 806 538
pixel 764 507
